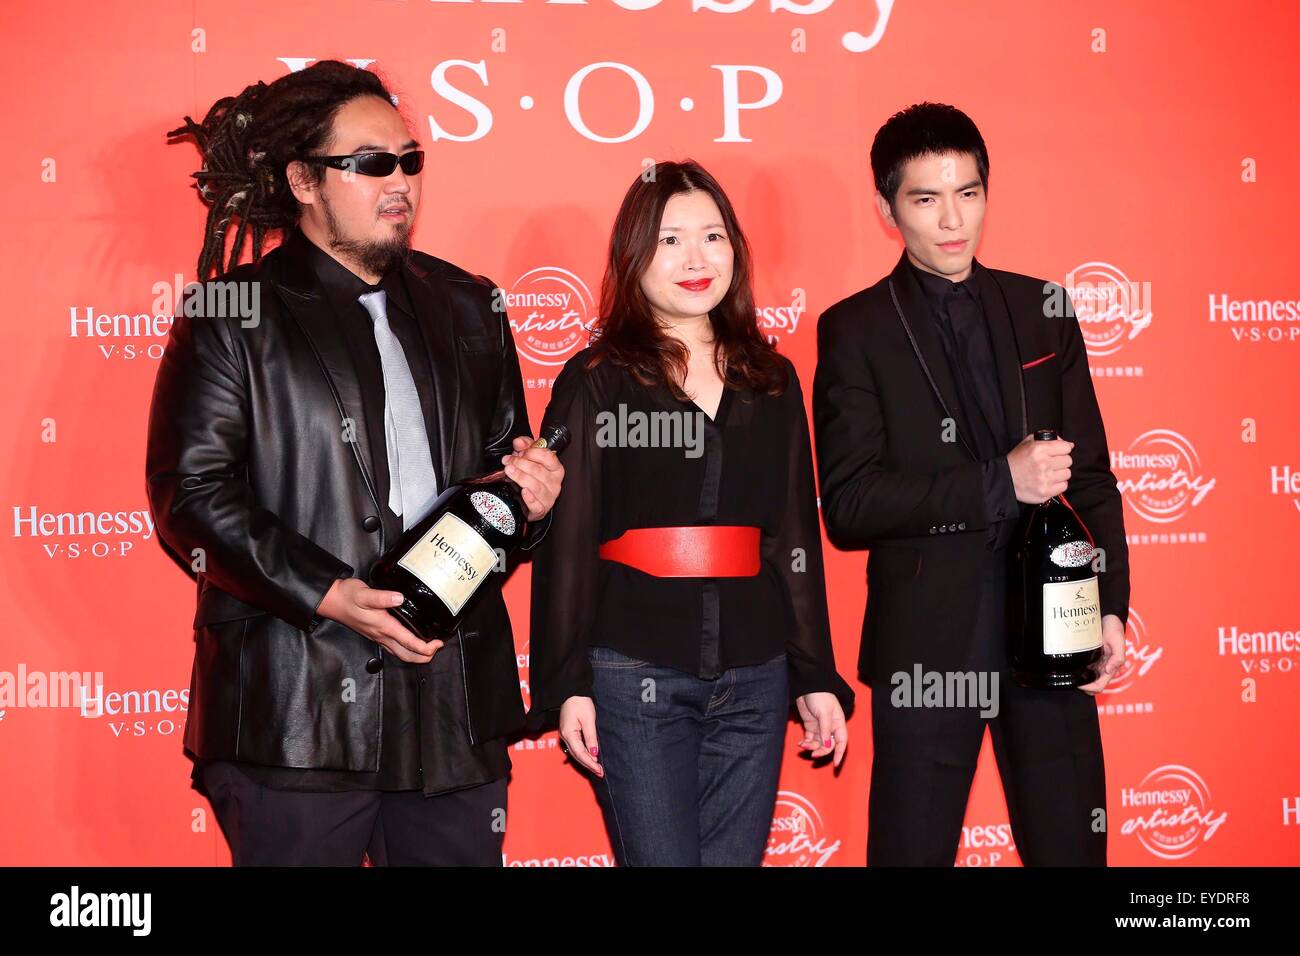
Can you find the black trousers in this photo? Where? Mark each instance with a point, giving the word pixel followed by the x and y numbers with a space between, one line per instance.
pixel 1048 749
pixel 268 827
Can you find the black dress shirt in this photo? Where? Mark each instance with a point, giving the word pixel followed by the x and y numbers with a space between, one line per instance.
pixel 424 743
pixel 752 466
pixel 963 328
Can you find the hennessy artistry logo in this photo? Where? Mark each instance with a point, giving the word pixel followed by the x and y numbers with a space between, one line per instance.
pixel 1160 475
pixel 1112 310
pixel 798 836
pixel 1139 655
pixel 551 311
pixel 1173 815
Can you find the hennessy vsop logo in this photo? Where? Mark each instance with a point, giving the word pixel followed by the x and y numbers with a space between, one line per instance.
pixel 1284 480
pixel 74 534
pixel 776 320
pixel 86 323
pixel 440 542
pixel 1257 320
pixel 1085 608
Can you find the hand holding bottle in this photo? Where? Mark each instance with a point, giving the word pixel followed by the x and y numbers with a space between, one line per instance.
pixel 439 564
pixel 365 610
pixel 1112 659
pixel 538 472
pixel 1040 470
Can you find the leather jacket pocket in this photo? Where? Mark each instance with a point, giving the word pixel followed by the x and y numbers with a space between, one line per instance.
pixel 216 605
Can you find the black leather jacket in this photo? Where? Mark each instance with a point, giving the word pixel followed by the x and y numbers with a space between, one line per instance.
pixel 253 485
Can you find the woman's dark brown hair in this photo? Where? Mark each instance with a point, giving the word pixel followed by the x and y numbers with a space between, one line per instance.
pixel 627 332
pixel 247 141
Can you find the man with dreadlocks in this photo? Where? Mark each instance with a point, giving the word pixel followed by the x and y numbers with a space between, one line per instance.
pixel 287 453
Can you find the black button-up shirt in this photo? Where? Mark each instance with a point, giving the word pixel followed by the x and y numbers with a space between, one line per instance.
pixel 425 741
pixel 969 351
pixel 751 465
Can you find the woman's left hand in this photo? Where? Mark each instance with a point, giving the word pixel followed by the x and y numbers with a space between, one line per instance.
pixel 823 724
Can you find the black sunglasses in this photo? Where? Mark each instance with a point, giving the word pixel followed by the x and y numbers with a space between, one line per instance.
pixel 374 164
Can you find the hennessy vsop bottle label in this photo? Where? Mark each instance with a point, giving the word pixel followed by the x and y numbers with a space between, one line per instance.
pixel 1071 617
pixel 451 559
pixel 458 551
pixel 1071 609
pixel 1055 639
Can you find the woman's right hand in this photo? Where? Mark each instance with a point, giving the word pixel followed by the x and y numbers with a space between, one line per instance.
pixel 578 732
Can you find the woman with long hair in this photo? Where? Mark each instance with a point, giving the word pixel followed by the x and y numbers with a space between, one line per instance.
pixel 679 604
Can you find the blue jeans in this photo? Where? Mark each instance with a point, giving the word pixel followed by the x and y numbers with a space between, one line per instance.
pixel 690 765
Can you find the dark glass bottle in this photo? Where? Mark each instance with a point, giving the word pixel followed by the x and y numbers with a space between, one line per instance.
pixel 455 554
pixel 1054 605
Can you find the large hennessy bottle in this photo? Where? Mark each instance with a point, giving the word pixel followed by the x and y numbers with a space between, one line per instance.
pixel 445 563
pixel 1054 604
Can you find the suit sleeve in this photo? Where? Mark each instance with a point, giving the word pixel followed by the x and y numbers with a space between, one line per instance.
pixel 510 419
pixel 198 490
pixel 566 572
pixel 1093 491
pixel 795 551
pixel 1000 503
pixel 862 501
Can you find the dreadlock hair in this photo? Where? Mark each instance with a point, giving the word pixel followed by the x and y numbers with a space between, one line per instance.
pixel 247 142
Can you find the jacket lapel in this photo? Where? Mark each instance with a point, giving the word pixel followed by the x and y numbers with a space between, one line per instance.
pixel 302 298
pixel 433 310
pixel 914 312
pixel 1006 354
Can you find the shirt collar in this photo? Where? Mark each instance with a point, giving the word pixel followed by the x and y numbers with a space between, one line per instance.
pixel 342 283
pixel 938 287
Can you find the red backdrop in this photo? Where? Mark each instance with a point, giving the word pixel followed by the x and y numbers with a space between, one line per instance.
pixel 1142 154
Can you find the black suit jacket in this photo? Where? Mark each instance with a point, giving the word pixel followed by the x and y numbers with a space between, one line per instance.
pixel 891 483
pixel 257 461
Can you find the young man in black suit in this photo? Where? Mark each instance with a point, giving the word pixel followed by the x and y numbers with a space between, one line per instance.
pixel 929 387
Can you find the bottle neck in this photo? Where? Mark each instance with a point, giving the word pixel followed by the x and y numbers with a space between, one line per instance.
pixel 492 477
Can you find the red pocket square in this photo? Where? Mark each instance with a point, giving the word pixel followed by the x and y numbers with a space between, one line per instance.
pixel 1039 361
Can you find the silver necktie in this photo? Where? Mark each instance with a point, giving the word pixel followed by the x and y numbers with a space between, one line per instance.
pixel 412 484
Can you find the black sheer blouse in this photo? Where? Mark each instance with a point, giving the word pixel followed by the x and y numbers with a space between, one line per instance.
pixel 752 465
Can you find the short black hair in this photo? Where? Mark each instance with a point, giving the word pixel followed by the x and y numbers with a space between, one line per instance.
pixel 921 130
